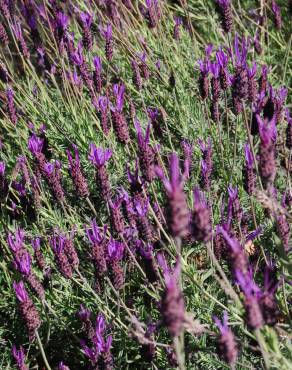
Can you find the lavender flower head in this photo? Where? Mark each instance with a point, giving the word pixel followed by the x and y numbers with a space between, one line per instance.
pixel 35 144
pixel 267 164
pixel 78 178
pixel 177 210
pixel 95 234
pixel 16 241
pixel 227 346
pixel 201 227
pixel 115 249
pixel 172 305
pixel 251 292
pixel 99 156
pixel 146 152
pixel 19 357
pixel 248 172
pixel 20 291
pixel 224 9
pixel 115 253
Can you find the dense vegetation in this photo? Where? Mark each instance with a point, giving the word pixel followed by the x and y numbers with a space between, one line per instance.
pixel 145 184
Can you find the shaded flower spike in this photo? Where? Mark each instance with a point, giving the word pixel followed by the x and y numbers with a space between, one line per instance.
pixel 188 149
pixel 53 176
pixel 267 162
pixel 97 238
pixel 27 309
pixel 254 316
pixel 115 252
pixel 252 83
pixel 263 80
pixel 277 15
pixel 203 78
pixel 176 30
pixel 103 104
pixel 86 22
pixel 18 32
pixel 3 182
pixel 38 255
pixel 177 212
pixel 136 182
pixel 11 105
pixel 19 357
pixel 119 121
pixel 97 79
pixel 235 254
pixel 288 130
pixel 216 90
pixel 225 12
pixel 215 81
pixel 117 219
pixel 200 224
pixel 248 172
pixel 62 22
pixel 4 40
pixel 58 244
pixel 108 35
pixel 99 157
pixel 143 224
pixel 76 174
pixel 137 80
pixel 146 152
pixel 206 163
pixel 226 345
pixel 267 298
pixel 172 304
pixel 222 60
pixel 235 204
pixel 148 260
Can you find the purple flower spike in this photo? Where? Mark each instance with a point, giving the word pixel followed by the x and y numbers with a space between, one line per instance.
pixel 248 171
pixel 248 156
pixel 84 314
pixel 177 210
pixel 35 144
pixel 252 84
pixel 20 291
pixel 225 12
pixel 201 227
pixel 172 305
pixel 97 62
pixel 23 263
pixel 62 21
pixel 99 156
pixel 86 19
pixel 95 234
pixel 107 34
pixel 19 357
pixel 236 252
pixel 252 293
pixel 11 105
pixel 227 346
pixel 16 241
pixel 115 250
pixel 146 152
pixel 277 15
pixel 267 163
pixel 77 176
